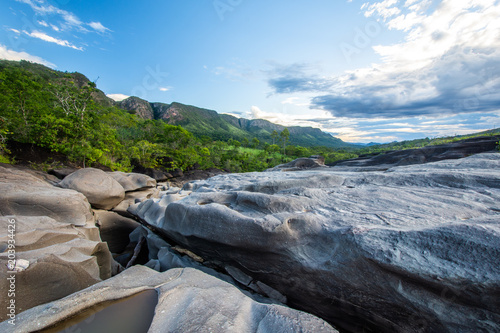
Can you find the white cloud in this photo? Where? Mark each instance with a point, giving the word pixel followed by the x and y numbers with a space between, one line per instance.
pixel 448 63
pixel 16 56
pixel 385 9
pixel 274 117
pixel 71 21
pixel 15 31
pixel 98 27
pixel 164 88
pixel 50 39
pixel 118 97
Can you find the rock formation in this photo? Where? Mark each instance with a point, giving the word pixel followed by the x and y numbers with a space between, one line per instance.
pixel 187 301
pixel 115 229
pixel 303 163
pixel 101 190
pixel 133 181
pixel 55 238
pixel 412 249
pixel 386 160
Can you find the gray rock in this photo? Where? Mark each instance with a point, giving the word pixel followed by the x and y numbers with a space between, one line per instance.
pixel 132 197
pixel 302 163
pixel 22 194
pixel 115 229
pixel 412 249
pixel 188 301
pixel 62 173
pixel 101 190
pixel 133 181
pixel 57 246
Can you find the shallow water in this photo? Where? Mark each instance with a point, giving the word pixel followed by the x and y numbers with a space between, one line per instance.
pixel 133 314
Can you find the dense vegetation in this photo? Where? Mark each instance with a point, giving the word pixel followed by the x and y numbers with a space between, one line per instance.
pixel 66 113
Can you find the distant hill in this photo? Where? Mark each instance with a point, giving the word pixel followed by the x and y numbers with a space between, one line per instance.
pixel 204 122
pixel 55 77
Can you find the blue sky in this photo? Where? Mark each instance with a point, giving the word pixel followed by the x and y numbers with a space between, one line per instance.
pixel 361 70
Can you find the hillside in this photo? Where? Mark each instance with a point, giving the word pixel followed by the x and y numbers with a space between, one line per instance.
pixel 204 122
pixel 65 116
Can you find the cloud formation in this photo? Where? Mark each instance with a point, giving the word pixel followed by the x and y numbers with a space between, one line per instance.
pixel 448 64
pixel 43 36
pixel 297 78
pixel 68 20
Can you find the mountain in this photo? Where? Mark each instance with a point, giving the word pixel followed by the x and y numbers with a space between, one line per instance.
pixel 201 122
pixel 367 144
pixel 204 122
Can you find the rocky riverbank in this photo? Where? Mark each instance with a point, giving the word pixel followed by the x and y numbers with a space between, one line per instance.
pixel 409 249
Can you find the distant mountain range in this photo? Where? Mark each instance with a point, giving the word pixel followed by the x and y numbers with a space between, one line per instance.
pixel 209 123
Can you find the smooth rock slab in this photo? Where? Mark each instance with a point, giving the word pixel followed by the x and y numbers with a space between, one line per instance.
pixel 188 301
pixel 101 190
pixel 58 248
pixel 22 194
pixel 413 249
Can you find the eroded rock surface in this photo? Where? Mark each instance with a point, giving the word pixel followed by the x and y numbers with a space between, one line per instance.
pixel 133 181
pixel 56 241
pixel 302 163
pixel 188 301
pixel 101 190
pixel 115 229
pixel 412 249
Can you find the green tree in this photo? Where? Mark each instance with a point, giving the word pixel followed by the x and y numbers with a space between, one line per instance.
pixel 4 152
pixel 274 136
pixel 245 142
pixel 255 143
pixel 284 137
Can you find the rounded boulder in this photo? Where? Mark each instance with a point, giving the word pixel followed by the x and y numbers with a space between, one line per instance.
pixel 101 190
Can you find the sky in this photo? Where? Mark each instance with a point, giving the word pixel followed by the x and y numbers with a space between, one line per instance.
pixel 364 71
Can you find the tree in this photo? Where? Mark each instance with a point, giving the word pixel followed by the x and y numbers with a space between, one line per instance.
pixel 245 142
pixel 284 137
pixel 274 136
pixel 255 143
pixel 4 151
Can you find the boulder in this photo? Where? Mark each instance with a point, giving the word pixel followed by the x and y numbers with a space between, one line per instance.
pixel 158 175
pixel 134 197
pixel 23 194
pixel 62 173
pixel 177 173
pixel 133 181
pixel 182 300
pixel 412 249
pixel 101 190
pixel 302 163
pixel 57 246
